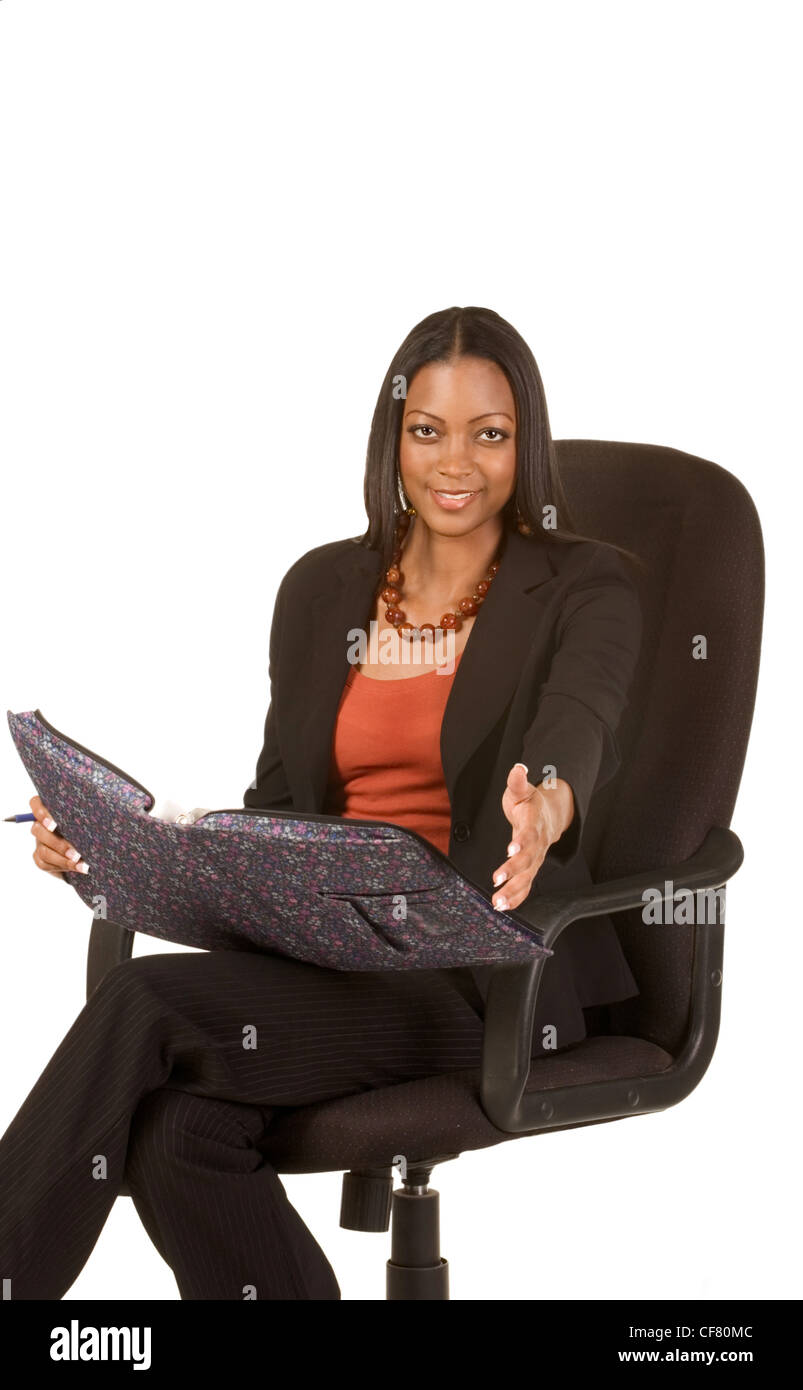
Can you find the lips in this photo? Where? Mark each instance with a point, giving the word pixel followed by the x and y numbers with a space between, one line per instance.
pixel 453 500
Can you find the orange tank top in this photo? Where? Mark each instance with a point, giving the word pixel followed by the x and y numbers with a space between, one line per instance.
pixel 385 760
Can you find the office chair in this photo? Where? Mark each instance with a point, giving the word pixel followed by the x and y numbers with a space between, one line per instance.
pixel 662 824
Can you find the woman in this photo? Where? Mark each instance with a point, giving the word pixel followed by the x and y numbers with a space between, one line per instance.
pixel 489 742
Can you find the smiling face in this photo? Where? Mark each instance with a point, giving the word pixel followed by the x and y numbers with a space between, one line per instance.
pixel 457 451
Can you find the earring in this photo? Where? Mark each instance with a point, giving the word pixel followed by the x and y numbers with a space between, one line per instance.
pixel 521 525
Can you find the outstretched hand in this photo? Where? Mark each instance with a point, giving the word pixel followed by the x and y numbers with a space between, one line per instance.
pixel 538 817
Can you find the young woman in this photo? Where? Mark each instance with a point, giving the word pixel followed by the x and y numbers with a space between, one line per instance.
pixel 459 669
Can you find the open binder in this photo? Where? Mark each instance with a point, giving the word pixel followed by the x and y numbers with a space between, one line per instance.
pixel 342 893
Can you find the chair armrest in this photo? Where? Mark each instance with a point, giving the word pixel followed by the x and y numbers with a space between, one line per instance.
pixel 717 860
pixel 513 988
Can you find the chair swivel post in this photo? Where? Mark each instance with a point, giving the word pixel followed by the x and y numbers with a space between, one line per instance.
pixel 416 1269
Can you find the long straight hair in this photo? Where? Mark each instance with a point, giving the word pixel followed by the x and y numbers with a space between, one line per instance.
pixel 444 337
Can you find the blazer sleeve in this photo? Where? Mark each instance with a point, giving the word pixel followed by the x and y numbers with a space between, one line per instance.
pixel 270 789
pixel 580 705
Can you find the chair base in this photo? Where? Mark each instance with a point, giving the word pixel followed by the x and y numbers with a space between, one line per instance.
pixel 416 1269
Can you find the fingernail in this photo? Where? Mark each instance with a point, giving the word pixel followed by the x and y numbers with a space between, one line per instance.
pixel 72 854
pixel 513 848
pixel 501 877
pixel 82 867
pixel 501 905
pixel 49 823
pixel 524 765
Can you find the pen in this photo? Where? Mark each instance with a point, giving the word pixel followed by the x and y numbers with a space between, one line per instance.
pixel 28 815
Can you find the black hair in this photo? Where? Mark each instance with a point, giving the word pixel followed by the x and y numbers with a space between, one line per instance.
pixel 444 337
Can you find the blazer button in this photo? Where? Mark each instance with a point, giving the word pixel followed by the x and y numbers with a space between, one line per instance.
pixel 462 831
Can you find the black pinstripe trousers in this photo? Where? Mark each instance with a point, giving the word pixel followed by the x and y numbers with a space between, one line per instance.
pixel 169 1077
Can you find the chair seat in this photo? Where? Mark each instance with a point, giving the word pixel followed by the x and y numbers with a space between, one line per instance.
pixel 436 1114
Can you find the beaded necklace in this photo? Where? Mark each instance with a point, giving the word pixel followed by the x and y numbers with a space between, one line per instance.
pixel 391 593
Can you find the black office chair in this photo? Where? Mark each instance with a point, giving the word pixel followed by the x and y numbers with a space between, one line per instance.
pixel 663 820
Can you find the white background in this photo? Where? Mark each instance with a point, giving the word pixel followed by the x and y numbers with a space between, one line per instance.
pixel 218 222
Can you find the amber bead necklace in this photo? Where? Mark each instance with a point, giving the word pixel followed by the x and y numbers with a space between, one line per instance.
pixel 391 593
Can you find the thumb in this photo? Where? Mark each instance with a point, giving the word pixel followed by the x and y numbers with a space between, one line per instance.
pixel 517 780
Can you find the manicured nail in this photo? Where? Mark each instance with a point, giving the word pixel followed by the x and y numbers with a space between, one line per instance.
pixel 513 848
pixel 82 867
pixel 524 765
pixel 72 854
pixel 501 877
pixel 49 823
pixel 501 905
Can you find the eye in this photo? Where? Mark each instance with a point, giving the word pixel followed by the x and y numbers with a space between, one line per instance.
pixel 413 429
pixel 491 429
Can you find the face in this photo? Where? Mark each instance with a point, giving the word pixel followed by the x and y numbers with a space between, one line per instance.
pixel 457 451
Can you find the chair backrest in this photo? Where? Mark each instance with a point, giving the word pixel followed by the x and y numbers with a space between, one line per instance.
pixel 684 735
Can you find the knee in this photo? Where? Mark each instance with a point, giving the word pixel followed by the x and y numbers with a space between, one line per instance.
pixel 169 1125
pixel 156 1133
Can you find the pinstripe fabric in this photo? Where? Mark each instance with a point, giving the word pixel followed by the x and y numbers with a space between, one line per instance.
pixel 156 1082
pixel 215 1209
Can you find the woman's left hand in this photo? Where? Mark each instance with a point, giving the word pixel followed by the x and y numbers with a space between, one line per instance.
pixel 538 816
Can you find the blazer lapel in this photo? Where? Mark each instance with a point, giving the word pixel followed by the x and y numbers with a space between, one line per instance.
pixel 484 682
pixel 344 600
pixel 498 644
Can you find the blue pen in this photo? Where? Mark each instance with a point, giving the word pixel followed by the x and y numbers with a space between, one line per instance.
pixel 27 815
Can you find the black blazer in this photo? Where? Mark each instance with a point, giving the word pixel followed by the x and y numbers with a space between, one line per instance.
pixel 543 680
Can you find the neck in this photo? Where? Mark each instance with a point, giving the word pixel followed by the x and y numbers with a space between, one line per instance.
pixel 448 566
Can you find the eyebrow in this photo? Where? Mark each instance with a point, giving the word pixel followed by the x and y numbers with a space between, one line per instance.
pixel 415 411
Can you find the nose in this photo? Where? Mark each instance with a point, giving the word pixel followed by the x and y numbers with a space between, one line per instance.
pixel 457 468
